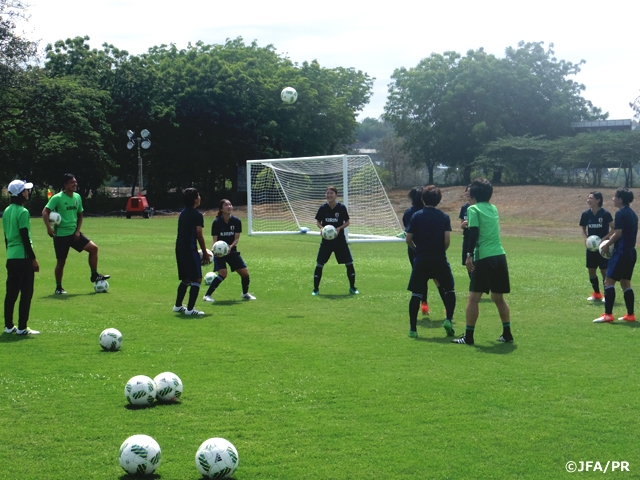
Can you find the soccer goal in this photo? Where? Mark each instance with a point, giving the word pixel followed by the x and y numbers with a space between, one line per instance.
pixel 284 195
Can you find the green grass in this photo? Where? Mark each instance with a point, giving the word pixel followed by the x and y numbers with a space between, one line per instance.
pixel 326 387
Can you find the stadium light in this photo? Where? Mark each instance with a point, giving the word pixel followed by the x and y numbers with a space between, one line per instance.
pixel 142 141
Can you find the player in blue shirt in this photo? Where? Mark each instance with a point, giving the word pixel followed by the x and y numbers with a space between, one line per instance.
pixel 190 224
pixel 429 234
pixel 228 228
pixel 334 213
pixel 415 194
pixel 596 221
pixel 623 260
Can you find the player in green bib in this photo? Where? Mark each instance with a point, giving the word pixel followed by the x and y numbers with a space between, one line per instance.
pixel 486 262
pixel 21 261
pixel 67 234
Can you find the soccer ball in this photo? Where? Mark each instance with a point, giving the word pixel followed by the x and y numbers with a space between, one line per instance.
pixel 140 390
pixel 101 286
pixel 329 232
pixel 220 248
pixel 168 387
pixel 208 278
pixel 289 95
pixel 593 242
pixel 140 455
pixel 55 218
pixel 610 253
pixel 202 262
pixel 217 458
pixel 111 339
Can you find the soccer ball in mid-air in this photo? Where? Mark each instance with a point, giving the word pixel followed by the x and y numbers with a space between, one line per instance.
pixel 329 232
pixel 217 458
pixel 101 286
pixel 220 248
pixel 140 390
pixel 208 278
pixel 55 218
pixel 609 253
pixel 202 262
pixel 111 339
pixel 593 242
pixel 289 95
pixel 168 387
pixel 140 455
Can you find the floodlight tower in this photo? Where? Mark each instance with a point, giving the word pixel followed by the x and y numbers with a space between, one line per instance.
pixel 142 141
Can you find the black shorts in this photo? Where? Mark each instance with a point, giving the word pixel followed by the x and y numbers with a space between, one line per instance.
pixel 189 268
pixel 339 247
pixel 490 274
pixel 595 260
pixel 621 265
pixel 423 270
pixel 234 260
pixel 61 245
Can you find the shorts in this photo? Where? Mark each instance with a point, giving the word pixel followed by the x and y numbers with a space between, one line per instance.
pixel 339 247
pixel 61 245
pixel 424 269
pixel 595 260
pixel 621 265
pixel 490 274
pixel 189 268
pixel 234 260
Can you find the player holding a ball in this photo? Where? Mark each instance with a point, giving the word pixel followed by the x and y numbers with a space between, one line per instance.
pixel 334 213
pixel 596 221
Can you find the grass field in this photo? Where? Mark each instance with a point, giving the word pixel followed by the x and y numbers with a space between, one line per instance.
pixel 326 387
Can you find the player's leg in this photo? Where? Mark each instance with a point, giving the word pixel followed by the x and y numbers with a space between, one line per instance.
pixel 625 283
pixel 61 247
pixel 324 253
pixel 424 306
pixel 416 285
pixel 182 259
pixel 343 255
pixel 11 295
pixel 83 243
pixel 195 275
pixel 445 283
pixel 471 317
pixel 505 316
pixel 220 267
pixel 26 293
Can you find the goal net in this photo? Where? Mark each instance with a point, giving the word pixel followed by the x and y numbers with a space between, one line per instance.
pixel 284 195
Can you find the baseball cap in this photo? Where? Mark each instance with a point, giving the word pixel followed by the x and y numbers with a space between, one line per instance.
pixel 17 186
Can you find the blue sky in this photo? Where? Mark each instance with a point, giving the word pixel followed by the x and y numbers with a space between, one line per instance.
pixel 371 37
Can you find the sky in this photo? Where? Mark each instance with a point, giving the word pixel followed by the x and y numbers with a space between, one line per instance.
pixel 375 38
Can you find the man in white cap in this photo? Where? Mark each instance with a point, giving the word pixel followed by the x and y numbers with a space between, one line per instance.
pixel 21 261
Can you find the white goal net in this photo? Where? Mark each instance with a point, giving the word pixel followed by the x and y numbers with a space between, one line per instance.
pixel 284 195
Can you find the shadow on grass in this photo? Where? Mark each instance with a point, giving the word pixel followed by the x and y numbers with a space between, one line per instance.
pixel 128 406
pixel 68 295
pixel 127 476
pixel 12 337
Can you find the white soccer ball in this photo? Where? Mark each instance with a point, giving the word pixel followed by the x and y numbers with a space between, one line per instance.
pixel 329 232
pixel 609 253
pixel 168 387
pixel 289 95
pixel 140 455
pixel 140 390
pixel 55 218
pixel 101 286
pixel 593 242
pixel 208 278
pixel 217 458
pixel 202 262
pixel 220 248
pixel 111 339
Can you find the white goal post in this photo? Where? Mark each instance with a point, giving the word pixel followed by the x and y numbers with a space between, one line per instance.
pixel 284 194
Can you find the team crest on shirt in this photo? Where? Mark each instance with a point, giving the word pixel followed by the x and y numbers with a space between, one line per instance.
pixel 600 220
pixel 337 214
pixel 232 227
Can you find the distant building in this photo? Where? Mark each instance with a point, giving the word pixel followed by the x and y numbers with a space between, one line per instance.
pixel 602 125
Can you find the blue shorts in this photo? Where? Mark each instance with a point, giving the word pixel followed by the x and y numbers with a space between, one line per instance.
pixel 189 269
pixel 490 274
pixel 621 265
pixel 595 260
pixel 424 269
pixel 339 247
pixel 234 260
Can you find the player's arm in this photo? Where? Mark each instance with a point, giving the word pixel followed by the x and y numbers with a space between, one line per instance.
pixel 28 249
pixel 236 239
pixel 584 231
pixel 79 224
pixel 409 240
pixel 613 237
pixel 200 237
pixel 447 240
pixel 343 226
pixel 214 239
pixel 45 218
pixel 611 230
pixel 319 224
pixel 474 234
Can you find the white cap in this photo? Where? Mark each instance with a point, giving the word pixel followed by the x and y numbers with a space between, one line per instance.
pixel 18 186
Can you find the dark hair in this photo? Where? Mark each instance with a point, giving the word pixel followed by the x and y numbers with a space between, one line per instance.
pixel 481 190
pixel 17 199
pixel 431 195
pixel 189 197
pixel 625 195
pixel 331 187
pixel 415 194
pixel 67 177
pixel 220 205
pixel 598 196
